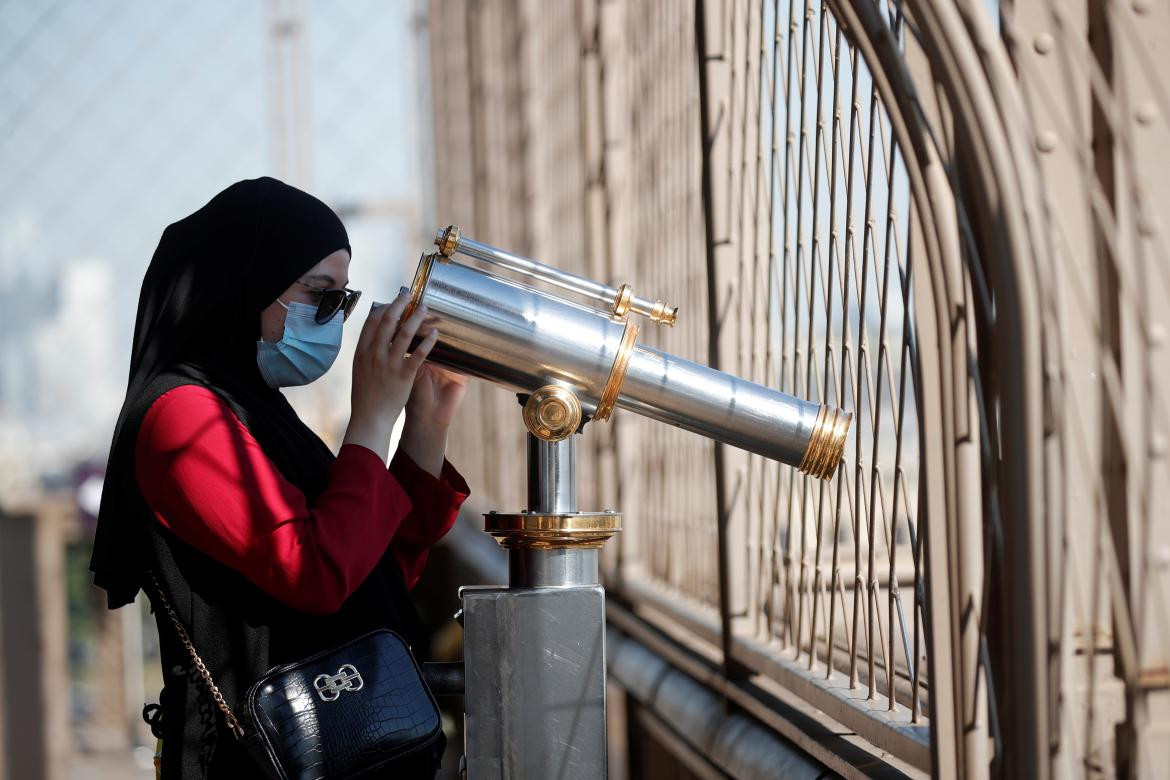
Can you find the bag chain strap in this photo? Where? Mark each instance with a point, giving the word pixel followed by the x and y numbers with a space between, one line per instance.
pixel 228 715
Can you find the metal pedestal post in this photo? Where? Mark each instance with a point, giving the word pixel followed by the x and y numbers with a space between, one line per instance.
pixel 534 652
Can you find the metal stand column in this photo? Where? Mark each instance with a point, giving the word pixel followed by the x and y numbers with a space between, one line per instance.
pixel 534 651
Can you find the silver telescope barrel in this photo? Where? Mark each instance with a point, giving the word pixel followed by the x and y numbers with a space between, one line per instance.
pixel 526 339
pixel 616 300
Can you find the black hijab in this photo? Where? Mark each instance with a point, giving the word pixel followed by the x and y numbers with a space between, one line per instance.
pixel 198 323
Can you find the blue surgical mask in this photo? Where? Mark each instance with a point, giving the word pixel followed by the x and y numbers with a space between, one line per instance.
pixel 305 352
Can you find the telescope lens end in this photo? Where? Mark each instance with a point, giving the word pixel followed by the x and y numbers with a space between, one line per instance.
pixel 827 443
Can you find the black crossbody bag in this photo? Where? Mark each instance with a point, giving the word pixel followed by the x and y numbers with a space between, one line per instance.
pixel 357 710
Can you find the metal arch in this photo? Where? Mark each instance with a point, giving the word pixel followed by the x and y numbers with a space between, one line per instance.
pixel 940 385
pixel 984 97
pixel 929 188
pixel 966 714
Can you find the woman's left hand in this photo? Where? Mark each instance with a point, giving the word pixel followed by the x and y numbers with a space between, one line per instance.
pixel 435 398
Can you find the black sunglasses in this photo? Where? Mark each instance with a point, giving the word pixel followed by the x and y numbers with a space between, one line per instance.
pixel 329 301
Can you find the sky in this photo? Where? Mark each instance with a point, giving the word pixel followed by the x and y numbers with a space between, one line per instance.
pixel 118 118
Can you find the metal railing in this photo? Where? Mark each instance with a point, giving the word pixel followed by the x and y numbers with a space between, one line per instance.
pixel 828 315
pixel 826 581
pixel 789 576
pixel 947 223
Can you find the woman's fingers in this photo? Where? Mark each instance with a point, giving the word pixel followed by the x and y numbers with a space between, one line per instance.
pixel 405 335
pixel 419 355
pixel 383 377
pixel 388 324
pixel 376 323
pixel 370 326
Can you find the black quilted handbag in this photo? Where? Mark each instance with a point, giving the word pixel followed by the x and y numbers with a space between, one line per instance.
pixel 359 710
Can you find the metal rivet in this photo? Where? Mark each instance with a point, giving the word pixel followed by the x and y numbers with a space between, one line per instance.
pixel 1147 112
pixel 1046 141
pixel 1043 43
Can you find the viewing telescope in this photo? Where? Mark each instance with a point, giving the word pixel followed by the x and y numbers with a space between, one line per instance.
pixel 534 651
pixel 505 331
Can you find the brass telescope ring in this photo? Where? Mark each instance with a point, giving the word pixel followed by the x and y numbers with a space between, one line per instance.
pixel 827 442
pixel 617 375
pixel 622 301
pixel 418 286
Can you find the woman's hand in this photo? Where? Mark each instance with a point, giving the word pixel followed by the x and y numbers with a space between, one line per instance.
pixel 433 401
pixel 382 373
pixel 435 397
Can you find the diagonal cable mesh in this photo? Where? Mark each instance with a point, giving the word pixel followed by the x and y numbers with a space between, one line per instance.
pixel 835 576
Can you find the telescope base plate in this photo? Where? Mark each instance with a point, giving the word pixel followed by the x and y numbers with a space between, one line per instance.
pixel 551 530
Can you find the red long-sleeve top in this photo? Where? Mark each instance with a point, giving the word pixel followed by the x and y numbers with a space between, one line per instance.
pixel 206 479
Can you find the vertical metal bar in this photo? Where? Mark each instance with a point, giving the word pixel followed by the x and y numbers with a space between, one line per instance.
pixel 735 350
pixel 898 476
pixel 863 373
pixel 775 364
pixel 802 82
pixel 763 572
pixel 774 368
pixel 830 272
pixel 861 382
pixel 906 369
pixel 713 56
pixel 876 465
pixel 817 255
pixel 787 299
pixel 843 266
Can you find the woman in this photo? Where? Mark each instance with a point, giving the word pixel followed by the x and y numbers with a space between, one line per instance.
pixel 268 547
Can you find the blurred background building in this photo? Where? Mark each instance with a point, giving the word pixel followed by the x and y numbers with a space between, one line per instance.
pixel 947 216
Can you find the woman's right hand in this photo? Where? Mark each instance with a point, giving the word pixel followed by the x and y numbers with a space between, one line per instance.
pixel 382 373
